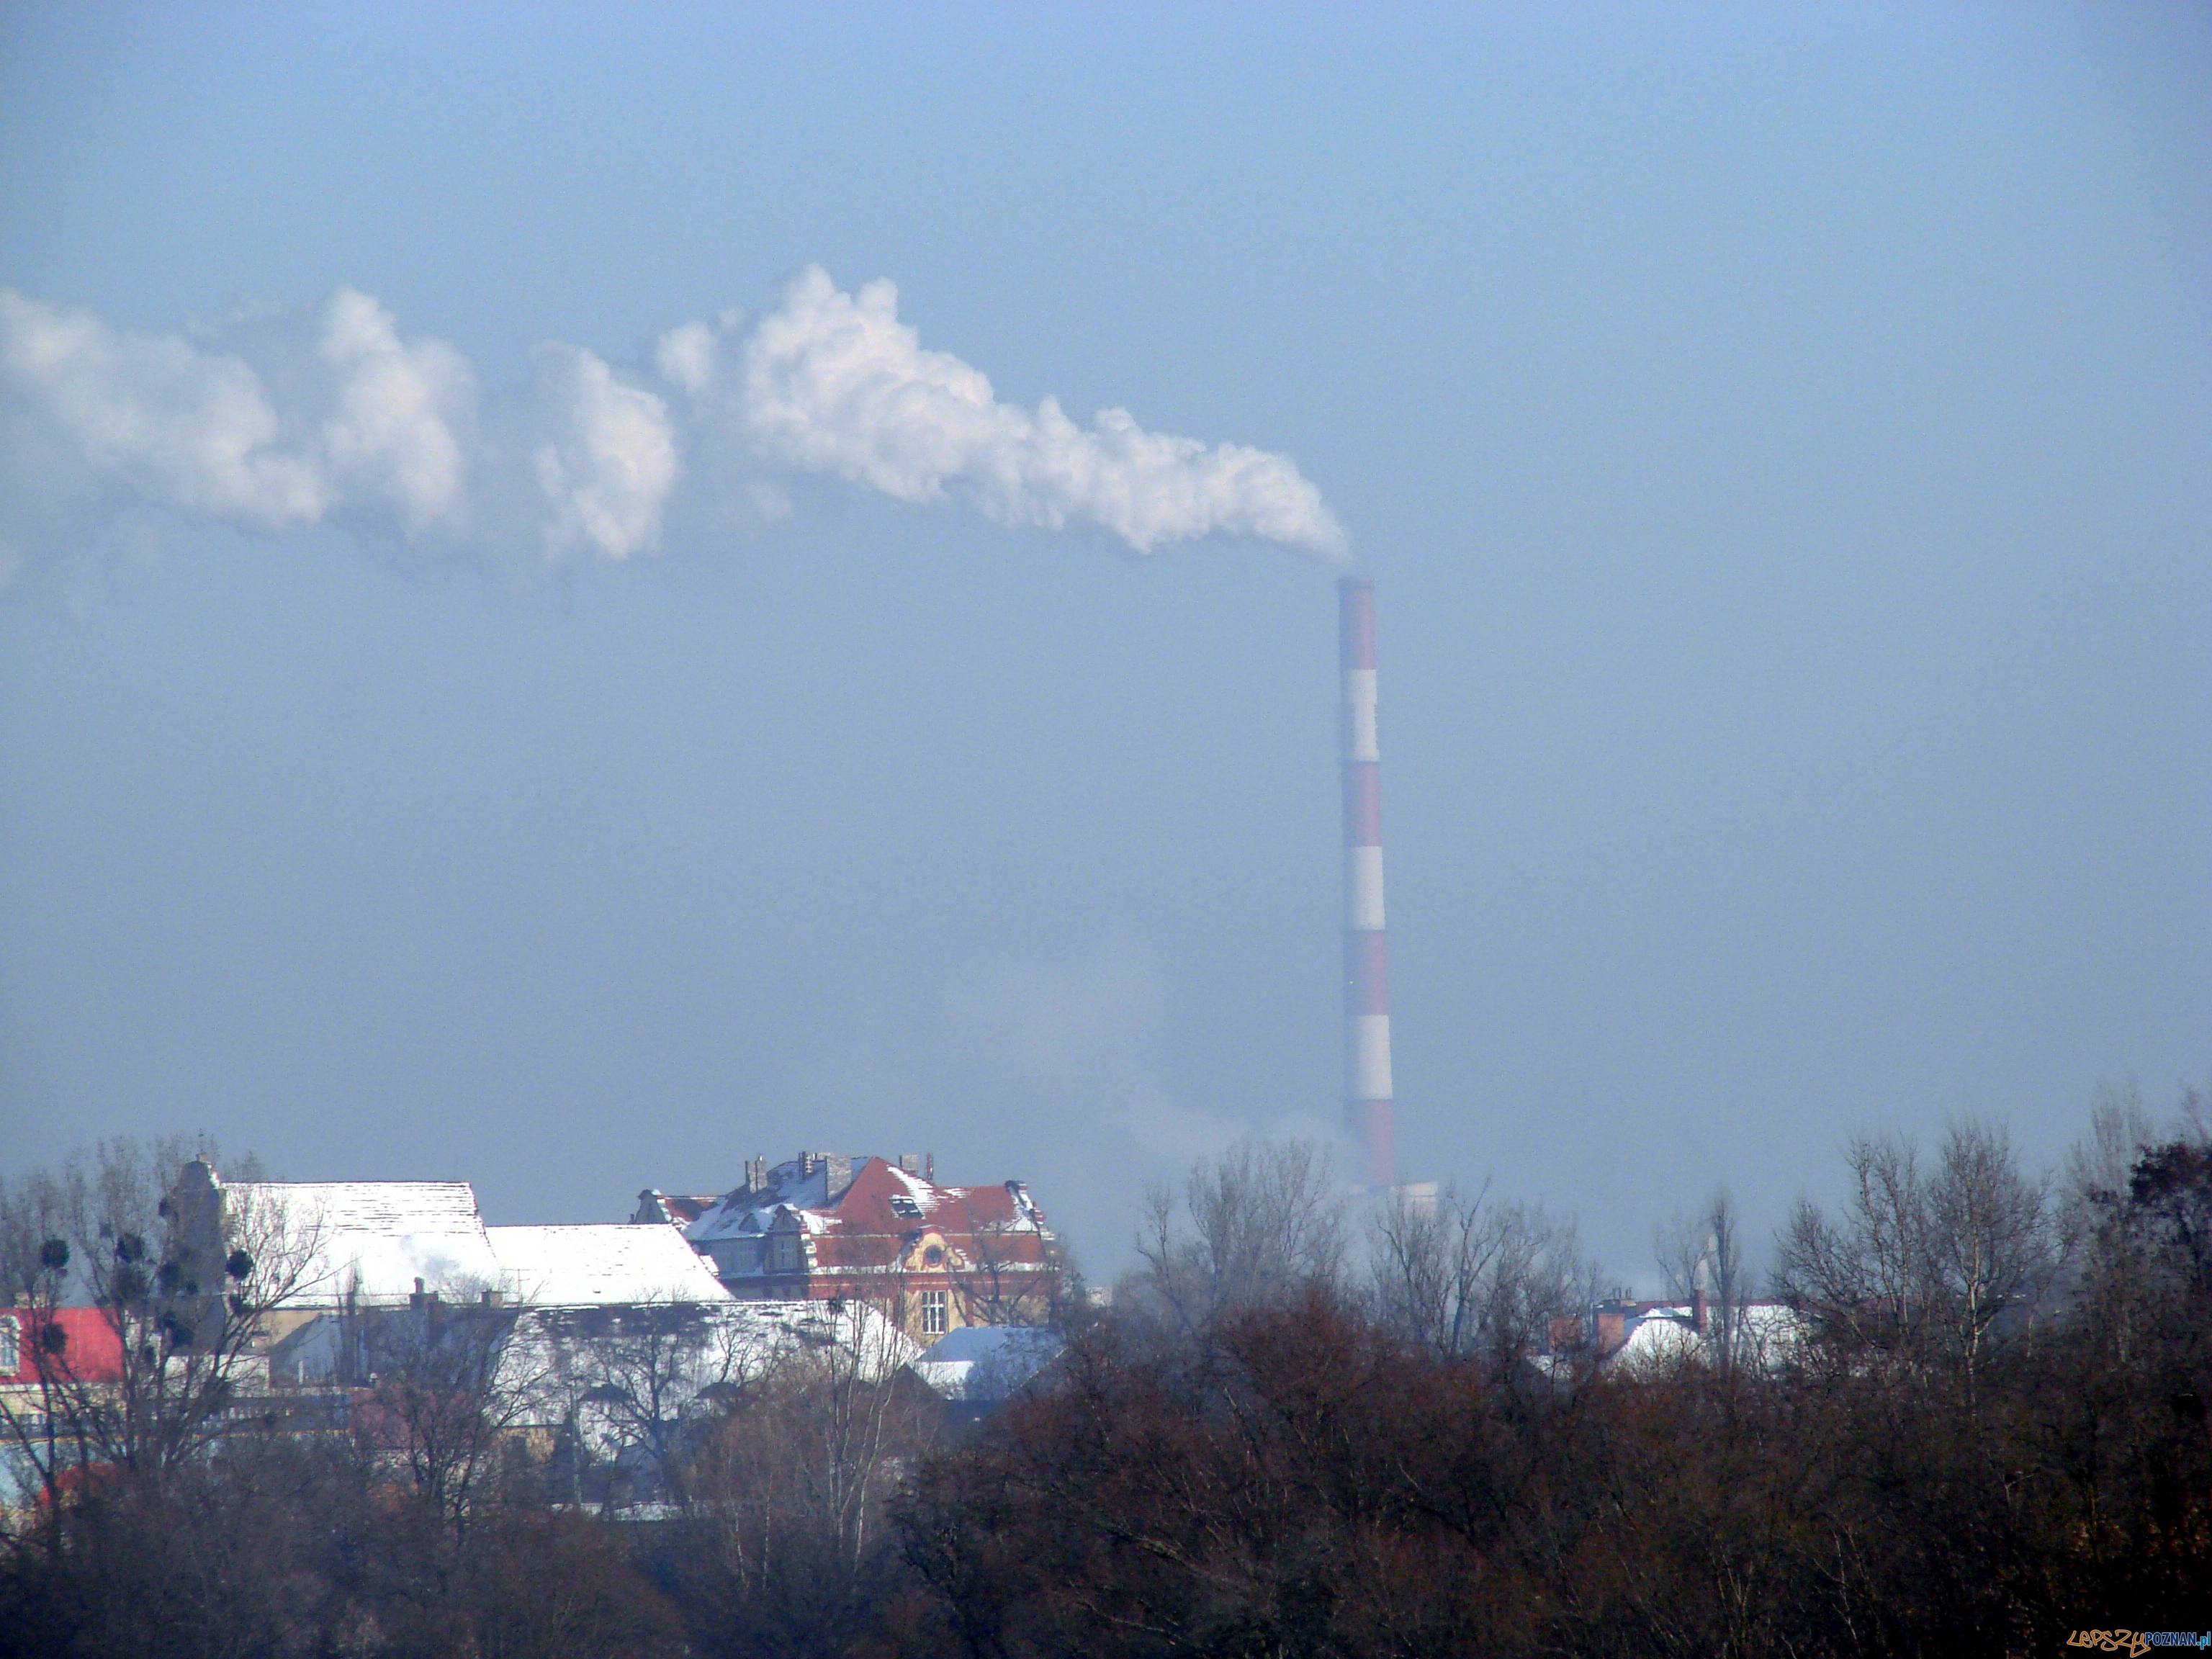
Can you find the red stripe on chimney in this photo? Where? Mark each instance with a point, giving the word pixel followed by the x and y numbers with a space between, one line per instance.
pixel 1363 804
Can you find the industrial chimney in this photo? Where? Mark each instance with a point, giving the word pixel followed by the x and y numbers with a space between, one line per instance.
pixel 1367 1103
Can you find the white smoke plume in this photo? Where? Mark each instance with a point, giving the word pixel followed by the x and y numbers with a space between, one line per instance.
pixel 835 383
pixel 178 426
pixel 613 462
pixel 275 421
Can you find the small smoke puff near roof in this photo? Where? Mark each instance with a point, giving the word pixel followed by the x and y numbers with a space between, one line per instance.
pixel 597 1263
pixel 373 1239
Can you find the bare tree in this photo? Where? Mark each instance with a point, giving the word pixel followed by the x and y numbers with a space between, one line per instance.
pixel 2099 1165
pixel 1990 1241
pixel 1924 1265
pixel 788 1493
pixel 183 1279
pixel 998 1284
pixel 1465 1276
pixel 448 1390
pixel 639 1379
pixel 1861 1281
pixel 1261 1221
pixel 32 1218
pixel 1701 1256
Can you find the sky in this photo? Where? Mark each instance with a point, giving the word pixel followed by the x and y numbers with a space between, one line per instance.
pixel 490 688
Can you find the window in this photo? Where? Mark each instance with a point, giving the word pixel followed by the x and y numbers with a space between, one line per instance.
pixel 783 1254
pixel 933 1256
pixel 11 1347
pixel 932 1313
pixel 905 1208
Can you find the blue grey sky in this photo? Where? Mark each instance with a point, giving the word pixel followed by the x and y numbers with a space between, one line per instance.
pixel 1779 436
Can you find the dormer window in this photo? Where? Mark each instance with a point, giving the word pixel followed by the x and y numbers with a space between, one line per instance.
pixel 905 1208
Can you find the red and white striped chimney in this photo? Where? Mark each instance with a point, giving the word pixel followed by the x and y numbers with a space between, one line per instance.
pixel 1367 1105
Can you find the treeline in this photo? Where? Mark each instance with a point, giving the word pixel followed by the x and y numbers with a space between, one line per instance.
pixel 1970 1417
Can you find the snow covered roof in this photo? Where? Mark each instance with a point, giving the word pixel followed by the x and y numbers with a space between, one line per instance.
pixel 1766 1334
pixel 374 1239
pixel 868 1195
pixel 598 1263
pixel 550 1357
pixel 985 1362
pixel 1662 1338
pixel 673 1209
pixel 1769 1333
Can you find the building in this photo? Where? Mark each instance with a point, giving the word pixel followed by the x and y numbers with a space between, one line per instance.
pixel 935 1257
pixel 597 1265
pixel 978 1368
pixel 673 1209
pixel 589 1267
pixel 341 1243
pixel 42 1345
pixel 1653 1337
pixel 349 1246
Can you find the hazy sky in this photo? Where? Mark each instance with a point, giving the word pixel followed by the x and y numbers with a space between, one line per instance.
pixel 1781 437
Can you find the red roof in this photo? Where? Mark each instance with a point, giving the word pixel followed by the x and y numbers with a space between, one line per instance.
pixel 88 1351
pixel 866 1207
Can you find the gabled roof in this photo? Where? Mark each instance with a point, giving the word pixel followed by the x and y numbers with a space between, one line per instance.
pixel 979 1362
pixel 598 1263
pixel 676 1209
pixel 880 1198
pixel 373 1239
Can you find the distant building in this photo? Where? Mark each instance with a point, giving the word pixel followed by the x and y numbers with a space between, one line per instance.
pixel 597 1265
pixel 358 1245
pixel 51 1358
pixel 1654 1336
pixel 978 1368
pixel 533 1270
pixel 78 1345
pixel 672 1209
pixel 934 1257
pixel 350 1243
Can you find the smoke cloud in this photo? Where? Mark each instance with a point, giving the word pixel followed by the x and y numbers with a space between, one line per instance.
pixel 612 463
pixel 835 383
pixel 275 421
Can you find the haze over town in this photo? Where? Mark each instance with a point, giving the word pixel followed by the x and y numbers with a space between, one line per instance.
pixel 483 697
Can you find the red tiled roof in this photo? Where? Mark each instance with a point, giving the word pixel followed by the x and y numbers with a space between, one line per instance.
pixel 89 1351
pixel 866 1206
